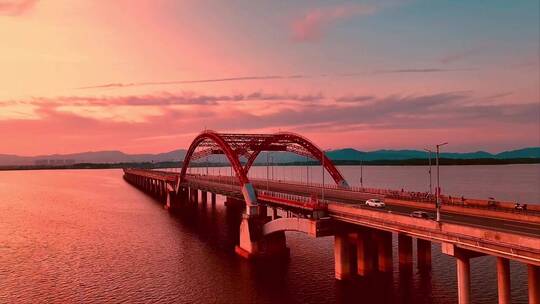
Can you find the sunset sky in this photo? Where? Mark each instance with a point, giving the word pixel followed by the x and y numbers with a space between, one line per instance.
pixel 148 75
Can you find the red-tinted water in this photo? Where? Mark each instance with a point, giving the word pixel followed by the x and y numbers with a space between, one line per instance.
pixel 87 236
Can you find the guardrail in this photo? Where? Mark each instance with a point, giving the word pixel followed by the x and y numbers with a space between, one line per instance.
pixel 300 201
pixel 423 197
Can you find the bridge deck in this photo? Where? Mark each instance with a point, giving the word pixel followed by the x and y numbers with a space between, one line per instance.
pixel 478 227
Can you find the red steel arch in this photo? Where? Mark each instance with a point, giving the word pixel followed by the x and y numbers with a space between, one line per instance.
pixel 210 138
pixel 249 146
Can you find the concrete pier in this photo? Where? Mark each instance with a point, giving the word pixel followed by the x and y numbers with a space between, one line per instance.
pixel 423 252
pixel 364 253
pixel 253 244
pixel 204 197
pixel 503 280
pixel 463 279
pixel 342 257
pixel 463 269
pixel 384 250
pixel 534 283
pixel 195 196
pixel 405 251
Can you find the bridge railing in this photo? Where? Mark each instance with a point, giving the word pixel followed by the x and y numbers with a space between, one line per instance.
pixel 425 197
pixel 422 197
pixel 302 201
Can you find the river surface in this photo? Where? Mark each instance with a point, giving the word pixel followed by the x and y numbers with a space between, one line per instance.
pixel 87 236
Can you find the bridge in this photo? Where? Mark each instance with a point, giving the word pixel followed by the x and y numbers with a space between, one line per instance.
pixel 468 228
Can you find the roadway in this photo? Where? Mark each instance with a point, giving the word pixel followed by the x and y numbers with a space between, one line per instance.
pixel 358 199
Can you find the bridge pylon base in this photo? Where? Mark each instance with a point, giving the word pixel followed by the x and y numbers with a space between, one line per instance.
pixel 254 245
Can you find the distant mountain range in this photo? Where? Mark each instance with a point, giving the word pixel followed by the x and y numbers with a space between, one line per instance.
pixel 348 154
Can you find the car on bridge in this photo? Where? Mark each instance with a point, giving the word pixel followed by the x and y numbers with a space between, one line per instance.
pixel 375 202
pixel 420 214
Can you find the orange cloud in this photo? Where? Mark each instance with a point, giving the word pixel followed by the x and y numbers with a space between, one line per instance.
pixel 16 7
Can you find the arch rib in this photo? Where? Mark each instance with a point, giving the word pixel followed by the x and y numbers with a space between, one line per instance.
pixel 225 147
pixel 304 148
pixel 232 155
pixel 233 146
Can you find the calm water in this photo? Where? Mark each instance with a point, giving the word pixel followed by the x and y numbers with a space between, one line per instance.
pixel 87 236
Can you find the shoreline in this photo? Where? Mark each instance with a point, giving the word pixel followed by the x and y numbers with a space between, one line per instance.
pixel 163 165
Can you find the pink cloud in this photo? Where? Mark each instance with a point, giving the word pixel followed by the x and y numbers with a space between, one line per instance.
pixel 16 7
pixel 312 24
pixel 373 122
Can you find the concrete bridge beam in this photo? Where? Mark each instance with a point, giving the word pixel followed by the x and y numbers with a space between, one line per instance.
pixel 311 227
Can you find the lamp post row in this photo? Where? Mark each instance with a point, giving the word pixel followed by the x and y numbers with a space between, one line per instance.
pixel 438 189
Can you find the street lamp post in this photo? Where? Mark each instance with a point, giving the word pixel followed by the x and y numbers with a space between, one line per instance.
pixel 438 184
pixel 272 162
pixel 361 174
pixel 430 183
pixel 307 172
pixel 267 171
pixel 322 194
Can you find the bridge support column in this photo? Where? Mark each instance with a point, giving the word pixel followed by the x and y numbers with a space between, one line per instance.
pixel 213 198
pixel 253 244
pixel 204 197
pixel 405 250
pixel 171 202
pixel 342 257
pixel 364 253
pixel 162 191
pixel 534 283
pixel 384 250
pixel 464 279
pixel 423 252
pixel 183 193
pixel 503 280
pixel 274 214
pixel 463 266
pixel 195 196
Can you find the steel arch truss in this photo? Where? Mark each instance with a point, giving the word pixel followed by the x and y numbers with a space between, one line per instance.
pixel 244 148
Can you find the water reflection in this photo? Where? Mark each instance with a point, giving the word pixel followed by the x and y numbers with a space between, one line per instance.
pixel 87 236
